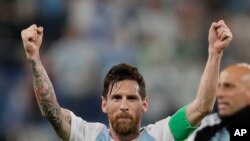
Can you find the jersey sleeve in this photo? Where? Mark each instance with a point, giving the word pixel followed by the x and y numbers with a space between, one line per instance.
pixel 82 130
pixel 179 125
pixel 158 131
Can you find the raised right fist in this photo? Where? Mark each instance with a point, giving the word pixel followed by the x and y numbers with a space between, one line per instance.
pixel 32 40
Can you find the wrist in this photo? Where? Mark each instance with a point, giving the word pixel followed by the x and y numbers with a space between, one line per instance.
pixel 214 55
pixel 215 52
pixel 33 56
pixel 33 59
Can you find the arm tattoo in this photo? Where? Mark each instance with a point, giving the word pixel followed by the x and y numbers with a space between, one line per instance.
pixel 45 95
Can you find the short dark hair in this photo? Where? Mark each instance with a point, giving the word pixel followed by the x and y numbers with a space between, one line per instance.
pixel 122 72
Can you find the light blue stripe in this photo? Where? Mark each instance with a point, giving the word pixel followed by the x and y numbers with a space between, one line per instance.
pixel 104 136
pixel 146 137
pixel 222 135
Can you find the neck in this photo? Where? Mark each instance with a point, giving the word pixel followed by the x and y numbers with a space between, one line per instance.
pixel 241 116
pixel 115 136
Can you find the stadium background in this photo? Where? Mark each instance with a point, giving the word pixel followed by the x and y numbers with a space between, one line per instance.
pixel 165 39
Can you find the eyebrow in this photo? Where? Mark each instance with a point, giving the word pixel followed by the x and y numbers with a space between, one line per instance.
pixel 112 86
pixel 127 95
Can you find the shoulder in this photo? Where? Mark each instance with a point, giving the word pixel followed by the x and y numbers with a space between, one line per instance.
pixel 79 121
pixel 158 124
pixel 157 131
pixel 83 130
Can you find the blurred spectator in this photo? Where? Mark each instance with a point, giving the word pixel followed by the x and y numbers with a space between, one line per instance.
pixel 167 40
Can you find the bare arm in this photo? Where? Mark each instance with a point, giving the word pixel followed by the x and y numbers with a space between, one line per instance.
pixel 45 95
pixel 219 38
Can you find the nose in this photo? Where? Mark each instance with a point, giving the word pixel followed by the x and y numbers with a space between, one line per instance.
pixel 220 93
pixel 124 105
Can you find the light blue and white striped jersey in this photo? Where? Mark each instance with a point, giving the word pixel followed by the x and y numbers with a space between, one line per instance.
pixel 174 128
pixel 82 130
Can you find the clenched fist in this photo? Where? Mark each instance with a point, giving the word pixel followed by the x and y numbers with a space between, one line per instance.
pixel 32 40
pixel 219 36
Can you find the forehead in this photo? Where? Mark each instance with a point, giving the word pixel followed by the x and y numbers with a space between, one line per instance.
pixel 235 75
pixel 124 87
pixel 226 76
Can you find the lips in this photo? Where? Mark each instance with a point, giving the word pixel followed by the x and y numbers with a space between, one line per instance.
pixel 124 117
pixel 223 105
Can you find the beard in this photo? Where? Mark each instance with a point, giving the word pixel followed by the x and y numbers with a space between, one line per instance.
pixel 124 124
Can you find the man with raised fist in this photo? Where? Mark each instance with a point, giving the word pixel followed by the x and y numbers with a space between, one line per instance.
pixel 124 98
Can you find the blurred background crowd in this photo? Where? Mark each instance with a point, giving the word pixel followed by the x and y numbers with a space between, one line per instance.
pixel 165 39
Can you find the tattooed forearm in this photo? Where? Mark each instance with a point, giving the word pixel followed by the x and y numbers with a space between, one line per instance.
pixel 45 94
pixel 52 113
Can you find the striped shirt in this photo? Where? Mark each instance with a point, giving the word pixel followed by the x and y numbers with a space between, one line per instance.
pixel 162 130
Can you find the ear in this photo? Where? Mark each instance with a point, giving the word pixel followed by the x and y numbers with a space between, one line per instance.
pixel 104 105
pixel 145 104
